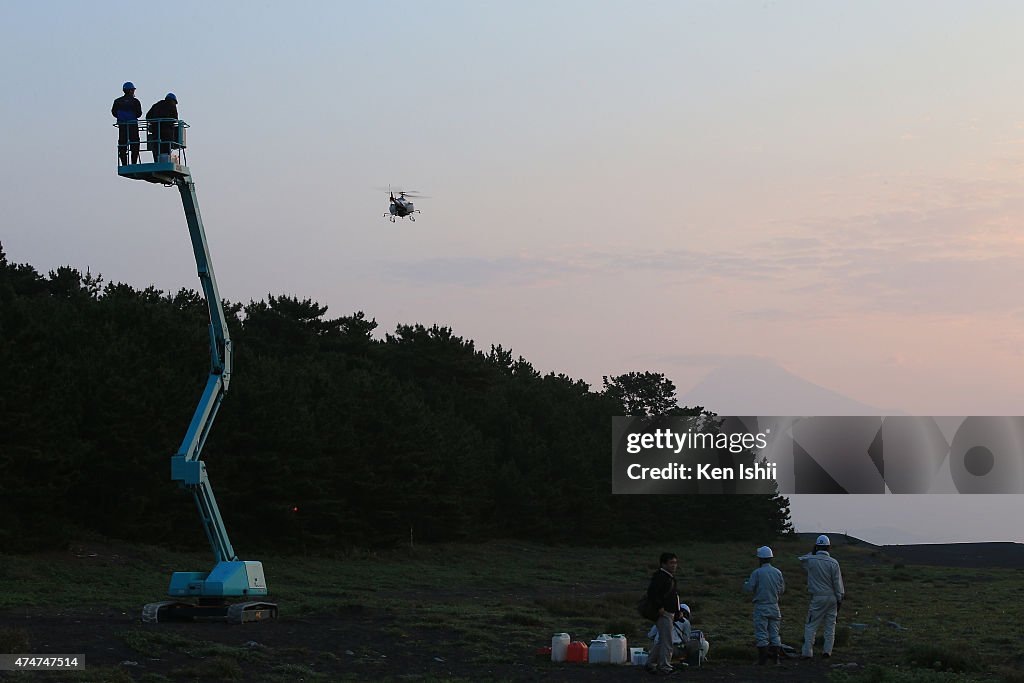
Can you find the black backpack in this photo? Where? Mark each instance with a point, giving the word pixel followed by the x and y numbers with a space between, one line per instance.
pixel 647 609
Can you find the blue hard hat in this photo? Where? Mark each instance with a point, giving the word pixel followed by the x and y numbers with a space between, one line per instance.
pixel 128 85
pixel 171 97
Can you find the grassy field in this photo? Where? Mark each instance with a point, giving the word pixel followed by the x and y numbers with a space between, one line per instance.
pixel 456 609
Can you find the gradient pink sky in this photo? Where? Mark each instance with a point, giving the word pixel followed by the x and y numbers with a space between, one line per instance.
pixel 833 186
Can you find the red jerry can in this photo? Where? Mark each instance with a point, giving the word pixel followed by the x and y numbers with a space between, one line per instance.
pixel 577 652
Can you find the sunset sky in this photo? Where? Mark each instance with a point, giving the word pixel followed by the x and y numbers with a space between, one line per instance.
pixel 833 188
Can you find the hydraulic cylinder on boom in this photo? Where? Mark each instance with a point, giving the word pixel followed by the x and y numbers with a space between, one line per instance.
pixel 230 578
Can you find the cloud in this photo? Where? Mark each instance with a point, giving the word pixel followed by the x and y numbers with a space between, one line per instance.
pixel 704 360
pixel 960 254
pixel 801 310
pixel 474 272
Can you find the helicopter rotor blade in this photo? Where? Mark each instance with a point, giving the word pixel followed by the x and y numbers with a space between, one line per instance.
pixel 397 191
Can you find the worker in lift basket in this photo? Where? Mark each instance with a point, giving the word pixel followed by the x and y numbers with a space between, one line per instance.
pixel 127 110
pixel 162 133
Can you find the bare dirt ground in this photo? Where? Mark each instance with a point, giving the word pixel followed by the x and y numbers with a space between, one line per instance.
pixel 361 653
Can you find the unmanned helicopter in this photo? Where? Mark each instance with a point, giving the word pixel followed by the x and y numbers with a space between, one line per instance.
pixel 401 206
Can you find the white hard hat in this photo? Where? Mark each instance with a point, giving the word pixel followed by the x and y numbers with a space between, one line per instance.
pixel 822 540
pixel 683 607
pixel 764 552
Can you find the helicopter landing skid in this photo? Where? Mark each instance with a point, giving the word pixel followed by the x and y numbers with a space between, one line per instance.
pixel 394 218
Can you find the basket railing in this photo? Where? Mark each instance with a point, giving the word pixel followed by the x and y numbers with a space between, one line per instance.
pixel 165 138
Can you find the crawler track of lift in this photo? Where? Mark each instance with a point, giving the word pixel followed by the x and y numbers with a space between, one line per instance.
pixel 233 613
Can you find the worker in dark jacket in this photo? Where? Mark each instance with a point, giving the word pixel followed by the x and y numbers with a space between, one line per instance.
pixel 127 110
pixel 162 133
pixel 663 593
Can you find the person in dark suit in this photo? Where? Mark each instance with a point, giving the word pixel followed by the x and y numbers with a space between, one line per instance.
pixel 663 593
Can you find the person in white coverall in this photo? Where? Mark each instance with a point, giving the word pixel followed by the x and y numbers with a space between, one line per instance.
pixel 825 584
pixel 680 628
pixel 683 645
pixel 767 584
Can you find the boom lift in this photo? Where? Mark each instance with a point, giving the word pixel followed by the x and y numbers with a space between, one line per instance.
pixel 230 577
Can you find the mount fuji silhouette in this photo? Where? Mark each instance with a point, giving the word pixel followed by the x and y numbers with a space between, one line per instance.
pixel 758 386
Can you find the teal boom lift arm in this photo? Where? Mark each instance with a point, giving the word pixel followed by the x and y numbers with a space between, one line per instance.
pixel 186 467
pixel 230 578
